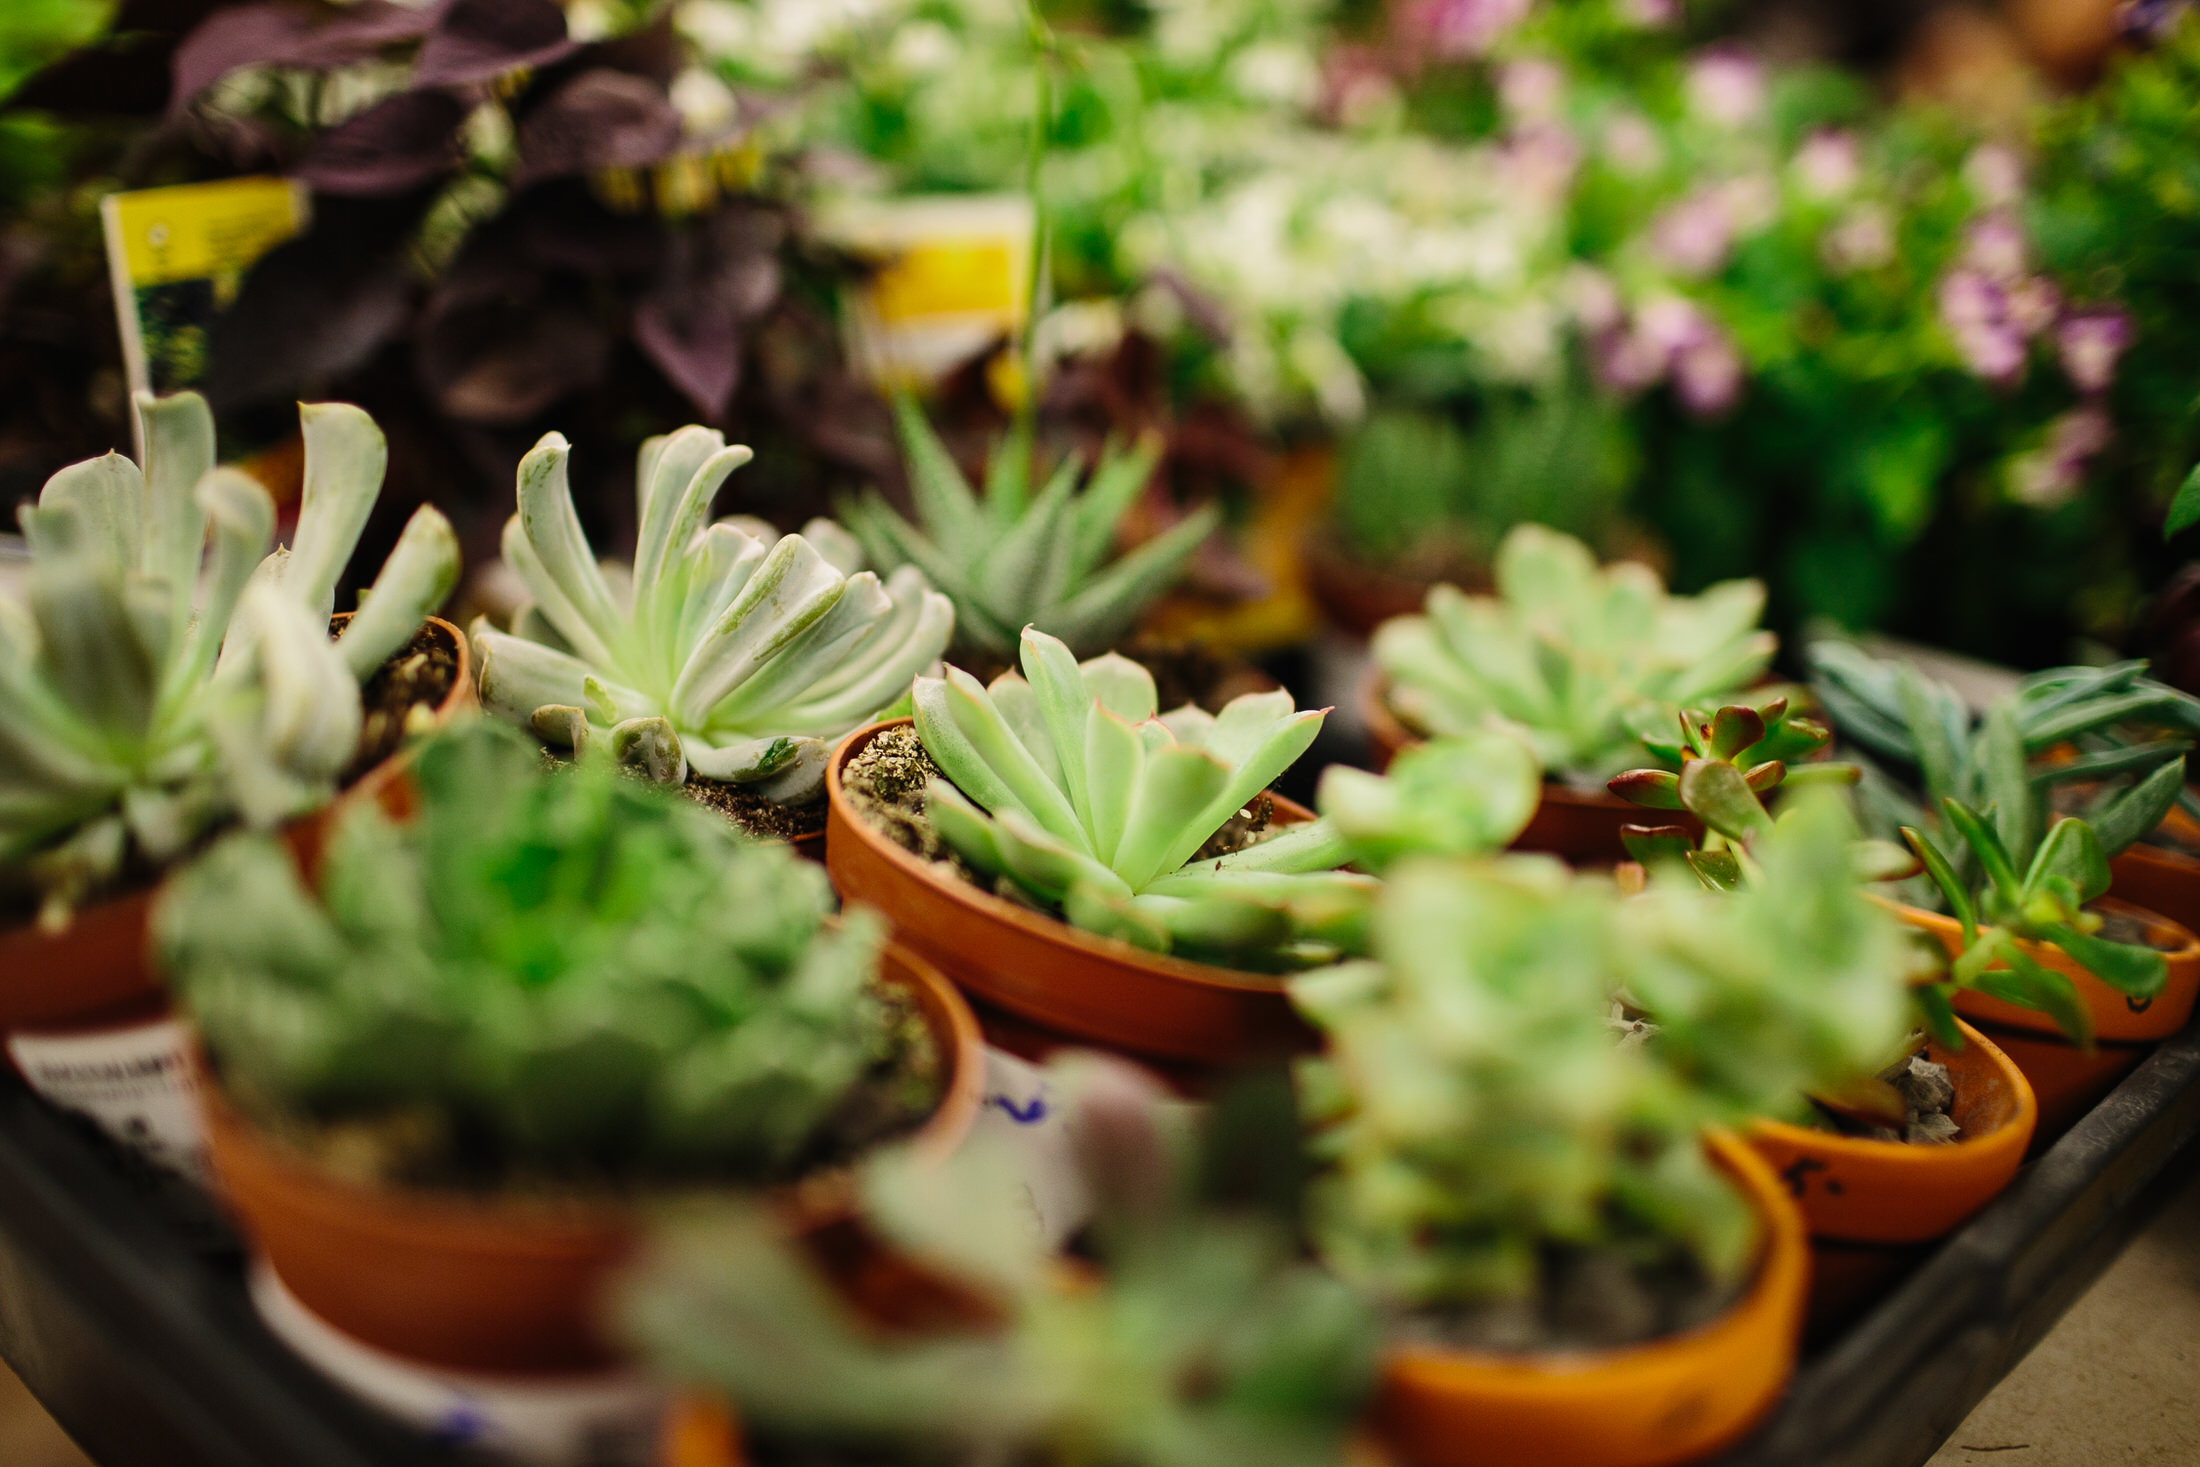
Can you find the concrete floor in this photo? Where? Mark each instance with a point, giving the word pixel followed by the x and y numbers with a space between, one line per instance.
pixel 2115 1384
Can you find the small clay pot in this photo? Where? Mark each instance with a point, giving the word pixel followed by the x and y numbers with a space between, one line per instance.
pixel 1581 826
pixel 1358 596
pixel 99 968
pixel 494 1285
pixel 2069 1081
pixel 1666 1401
pixel 2163 881
pixel 1037 968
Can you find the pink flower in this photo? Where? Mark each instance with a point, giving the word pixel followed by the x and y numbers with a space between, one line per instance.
pixel 1707 375
pixel 1862 240
pixel 2034 304
pixel 1672 337
pixel 1696 235
pixel 1651 15
pixel 1531 89
pixel 2052 474
pixel 1827 165
pixel 1631 145
pixel 1458 29
pixel 1541 158
pixel 1995 174
pixel 2090 343
pixel 1976 313
pixel 1995 246
pixel 1593 297
pixel 1726 85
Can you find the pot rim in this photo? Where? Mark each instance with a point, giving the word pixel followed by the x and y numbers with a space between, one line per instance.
pixel 1940 922
pixel 1039 925
pixel 2013 1133
pixel 557 1224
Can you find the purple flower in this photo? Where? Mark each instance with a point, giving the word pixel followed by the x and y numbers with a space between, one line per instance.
pixel 2149 22
pixel 1696 235
pixel 1995 246
pixel 1458 29
pixel 2051 474
pixel 1976 313
pixel 2034 305
pixel 1672 337
pixel 1531 89
pixel 1827 165
pixel 1593 297
pixel 1651 15
pixel 1707 375
pixel 1726 85
pixel 2090 342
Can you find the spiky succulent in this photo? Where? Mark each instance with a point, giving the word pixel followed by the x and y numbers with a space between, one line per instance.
pixel 561 971
pixel 720 653
pixel 1022 554
pixel 166 672
pixel 1205 1340
pixel 1475 1117
pixel 1577 658
pixel 1067 784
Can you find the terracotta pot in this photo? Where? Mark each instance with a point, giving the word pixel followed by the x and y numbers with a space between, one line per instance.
pixel 1580 825
pixel 1858 1190
pixel 1667 1401
pixel 1358 596
pixel 1038 968
pixel 2163 881
pixel 492 1285
pixel 98 970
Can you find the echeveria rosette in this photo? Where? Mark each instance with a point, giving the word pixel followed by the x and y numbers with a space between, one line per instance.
pixel 1471 1110
pixel 167 671
pixel 1572 656
pixel 1465 796
pixel 723 654
pixel 1024 554
pixel 1067 784
pixel 578 966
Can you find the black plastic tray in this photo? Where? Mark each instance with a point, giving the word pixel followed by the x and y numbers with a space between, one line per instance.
pixel 123 1307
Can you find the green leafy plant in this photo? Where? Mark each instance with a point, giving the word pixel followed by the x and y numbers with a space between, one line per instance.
pixel 1067 785
pixel 168 673
pixel 1463 796
pixel 1572 656
pixel 1477 1125
pixel 1205 1340
pixel 571 972
pixel 1023 554
pixel 723 656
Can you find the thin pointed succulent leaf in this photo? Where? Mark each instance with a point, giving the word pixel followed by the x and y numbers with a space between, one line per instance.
pixel 1008 470
pixel 2138 810
pixel 552 529
pixel 948 511
pixel 1016 560
pixel 1652 789
pixel 1985 843
pixel 1943 872
pixel 1937 1008
pixel 1114 487
pixel 1110 602
pixel 687 516
pixel 967 830
pixel 106 495
pixel 1653 845
pixel 1716 793
pixel 1932 714
pixel 179 449
pixel 2030 984
pixel 1169 808
pixel 1067 706
pixel 2134 971
pixel 2007 784
pixel 416 579
pixel 1039 798
pixel 2067 723
pixel 665 468
pixel 2073 852
pixel 1733 729
pixel 346 457
pixel 1019 707
pixel 789 592
pixel 2140 759
pixel 1717 870
pixel 1111 768
pixel 1121 685
pixel 1245 721
pixel 1279 748
pixel 1859 693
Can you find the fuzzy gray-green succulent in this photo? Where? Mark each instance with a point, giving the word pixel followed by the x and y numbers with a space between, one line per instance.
pixel 722 652
pixel 1021 555
pixel 1067 784
pixel 167 672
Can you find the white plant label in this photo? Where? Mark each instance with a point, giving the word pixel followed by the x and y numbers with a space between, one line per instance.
pixel 1029 1115
pixel 138 1084
pixel 611 1419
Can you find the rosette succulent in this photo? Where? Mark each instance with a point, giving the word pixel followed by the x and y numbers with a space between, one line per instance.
pixel 1022 554
pixel 1066 785
pixel 1578 659
pixel 547 971
pixel 167 672
pixel 722 653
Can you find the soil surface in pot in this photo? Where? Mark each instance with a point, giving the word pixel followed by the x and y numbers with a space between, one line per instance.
pixel 402 695
pixel 2125 928
pixel 1928 1094
pixel 762 818
pixel 426 1147
pixel 1585 1299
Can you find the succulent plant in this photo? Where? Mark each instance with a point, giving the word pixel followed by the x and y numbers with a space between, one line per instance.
pixel 1474 1115
pixel 1204 1340
pixel 167 673
pixel 719 653
pixel 1066 784
pixel 563 971
pixel 1575 657
pixel 1463 796
pixel 1021 553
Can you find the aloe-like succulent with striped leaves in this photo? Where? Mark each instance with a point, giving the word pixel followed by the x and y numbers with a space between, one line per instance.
pixel 168 672
pixel 1020 554
pixel 1069 786
pixel 727 653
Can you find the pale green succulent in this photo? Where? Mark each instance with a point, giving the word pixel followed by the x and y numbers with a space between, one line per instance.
pixel 167 673
pixel 1473 1111
pixel 1021 556
pixel 1579 659
pixel 722 652
pixel 1094 807
pixel 1465 796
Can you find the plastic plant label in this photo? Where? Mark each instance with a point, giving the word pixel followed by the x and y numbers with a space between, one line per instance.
pixel 949 283
pixel 138 1084
pixel 176 257
pixel 611 1419
pixel 1027 1113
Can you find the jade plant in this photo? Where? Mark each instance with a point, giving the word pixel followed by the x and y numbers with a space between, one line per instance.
pixel 1023 553
pixel 1064 783
pixel 1493 1162
pixel 1203 1339
pixel 167 673
pixel 560 973
pixel 1574 657
pixel 719 653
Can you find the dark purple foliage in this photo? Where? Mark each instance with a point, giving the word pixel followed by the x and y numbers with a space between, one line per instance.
pixel 400 144
pixel 478 40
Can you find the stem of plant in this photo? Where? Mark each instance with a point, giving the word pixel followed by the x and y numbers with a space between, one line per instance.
pixel 1042 121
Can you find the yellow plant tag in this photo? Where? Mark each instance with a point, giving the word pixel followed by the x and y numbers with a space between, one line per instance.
pixel 949 282
pixel 176 257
